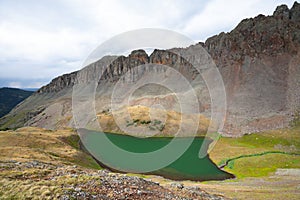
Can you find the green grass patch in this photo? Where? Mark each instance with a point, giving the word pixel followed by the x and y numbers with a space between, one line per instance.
pixel 261 164
pixel 266 141
pixel 72 140
pixel 259 154
pixel 14 122
pixel 230 164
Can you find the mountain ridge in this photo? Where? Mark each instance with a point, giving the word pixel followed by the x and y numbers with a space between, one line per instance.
pixel 258 60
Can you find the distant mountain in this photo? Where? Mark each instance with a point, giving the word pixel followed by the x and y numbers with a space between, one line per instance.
pixel 10 97
pixel 259 62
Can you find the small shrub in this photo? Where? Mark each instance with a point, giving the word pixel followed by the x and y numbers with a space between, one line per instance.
pixel 136 120
pixel 161 127
pixel 296 120
pixel 145 122
pixel 156 122
pixel 106 111
pixel 130 124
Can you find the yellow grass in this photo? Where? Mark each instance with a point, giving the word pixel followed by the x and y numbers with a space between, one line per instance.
pixel 165 122
pixel 30 143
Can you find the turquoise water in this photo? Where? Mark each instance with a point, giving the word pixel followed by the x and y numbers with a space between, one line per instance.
pixel 187 167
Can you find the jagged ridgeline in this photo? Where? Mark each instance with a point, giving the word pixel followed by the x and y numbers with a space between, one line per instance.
pixel 259 61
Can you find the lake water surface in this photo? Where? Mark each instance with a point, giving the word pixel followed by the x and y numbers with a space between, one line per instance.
pixel 187 167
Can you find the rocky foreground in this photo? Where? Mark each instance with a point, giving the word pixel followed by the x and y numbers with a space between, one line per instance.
pixel 40 180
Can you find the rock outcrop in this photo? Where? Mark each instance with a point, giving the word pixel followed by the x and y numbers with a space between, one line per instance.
pixel 259 61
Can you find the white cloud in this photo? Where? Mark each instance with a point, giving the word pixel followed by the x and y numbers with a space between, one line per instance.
pixel 15 84
pixel 20 84
pixel 20 41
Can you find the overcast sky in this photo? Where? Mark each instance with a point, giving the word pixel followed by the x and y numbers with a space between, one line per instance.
pixel 41 39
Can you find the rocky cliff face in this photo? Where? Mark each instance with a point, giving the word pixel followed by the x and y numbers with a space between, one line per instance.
pixel 259 61
pixel 118 67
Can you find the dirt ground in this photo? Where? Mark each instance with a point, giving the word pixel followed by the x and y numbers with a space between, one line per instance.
pixel 283 184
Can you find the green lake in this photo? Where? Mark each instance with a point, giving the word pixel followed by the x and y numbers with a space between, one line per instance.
pixel 188 166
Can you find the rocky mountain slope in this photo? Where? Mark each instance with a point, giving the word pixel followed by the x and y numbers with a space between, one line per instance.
pixel 259 62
